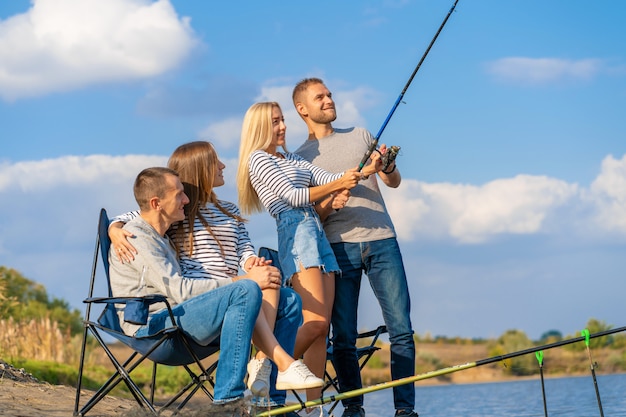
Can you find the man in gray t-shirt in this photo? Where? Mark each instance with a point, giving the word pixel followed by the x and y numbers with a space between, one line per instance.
pixel 364 241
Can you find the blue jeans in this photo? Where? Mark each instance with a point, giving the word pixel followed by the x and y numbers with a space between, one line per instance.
pixel 381 261
pixel 228 312
pixel 288 319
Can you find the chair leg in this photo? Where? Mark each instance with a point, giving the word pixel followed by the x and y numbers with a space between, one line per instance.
pixel 80 370
pixel 122 372
pixel 153 382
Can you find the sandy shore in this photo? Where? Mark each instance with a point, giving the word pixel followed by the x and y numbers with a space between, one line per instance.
pixel 22 395
pixel 35 399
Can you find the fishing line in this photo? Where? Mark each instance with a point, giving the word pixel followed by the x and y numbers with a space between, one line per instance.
pixel 399 99
pixel 432 374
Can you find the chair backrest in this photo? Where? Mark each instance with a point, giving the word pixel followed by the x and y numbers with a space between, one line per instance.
pixel 105 244
pixel 109 317
pixel 101 252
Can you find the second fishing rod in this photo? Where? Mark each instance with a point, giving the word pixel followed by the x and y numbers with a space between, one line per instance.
pixel 393 151
pixel 436 373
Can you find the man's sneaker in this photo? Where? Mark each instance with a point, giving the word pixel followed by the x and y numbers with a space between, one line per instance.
pixel 314 412
pixel 406 413
pixel 353 411
pixel 297 376
pixel 287 414
pixel 236 408
pixel 259 371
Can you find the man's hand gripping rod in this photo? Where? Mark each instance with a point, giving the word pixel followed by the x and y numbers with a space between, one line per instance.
pixel 399 99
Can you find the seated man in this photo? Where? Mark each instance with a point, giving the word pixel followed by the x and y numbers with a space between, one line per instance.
pixel 203 311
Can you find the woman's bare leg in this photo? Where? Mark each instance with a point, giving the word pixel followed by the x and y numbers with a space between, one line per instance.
pixel 317 291
pixel 269 309
pixel 264 339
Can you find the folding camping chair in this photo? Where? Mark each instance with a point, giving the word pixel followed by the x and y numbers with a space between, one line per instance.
pixel 364 353
pixel 169 346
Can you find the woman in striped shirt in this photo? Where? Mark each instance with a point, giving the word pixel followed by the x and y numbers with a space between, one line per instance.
pixel 288 186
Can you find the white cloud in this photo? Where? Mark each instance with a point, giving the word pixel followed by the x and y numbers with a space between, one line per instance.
pixel 34 176
pixel 60 45
pixel 476 214
pixel 608 195
pixel 543 70
pixel 225 134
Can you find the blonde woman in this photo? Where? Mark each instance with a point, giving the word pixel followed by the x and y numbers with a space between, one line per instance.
pixel 288 186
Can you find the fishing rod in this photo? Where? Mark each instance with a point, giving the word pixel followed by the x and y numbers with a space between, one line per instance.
pixel 539 356
pixel 431 374
pixel 399 99
pixel 585 333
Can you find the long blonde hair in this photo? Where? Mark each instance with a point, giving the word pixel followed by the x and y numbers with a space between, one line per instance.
pixel 256 134
pixel 196 164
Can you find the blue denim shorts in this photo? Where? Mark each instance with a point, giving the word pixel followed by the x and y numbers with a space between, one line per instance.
pixel 302 241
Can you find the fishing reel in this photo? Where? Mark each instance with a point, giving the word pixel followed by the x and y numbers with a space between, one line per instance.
pixel 389 156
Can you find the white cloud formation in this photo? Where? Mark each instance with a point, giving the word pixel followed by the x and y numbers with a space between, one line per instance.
pixel 608 195
pixel 60 45
pixel 475 214
pixel 33 176
pixel 225 134
pixel 535 71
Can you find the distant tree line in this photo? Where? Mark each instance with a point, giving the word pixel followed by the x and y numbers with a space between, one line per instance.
pixel 23 300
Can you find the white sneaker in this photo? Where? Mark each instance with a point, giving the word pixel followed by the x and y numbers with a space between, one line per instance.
pixel 315 412
pixel 259 376
pixel 297 376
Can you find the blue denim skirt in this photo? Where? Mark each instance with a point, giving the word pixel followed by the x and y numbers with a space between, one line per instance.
pixel 302 241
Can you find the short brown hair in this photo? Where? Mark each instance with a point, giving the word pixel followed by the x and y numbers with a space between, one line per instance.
pixel 151 183
pixel 302 86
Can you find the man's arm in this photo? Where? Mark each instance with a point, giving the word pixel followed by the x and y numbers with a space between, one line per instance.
pixel 392 178
pixel 164 275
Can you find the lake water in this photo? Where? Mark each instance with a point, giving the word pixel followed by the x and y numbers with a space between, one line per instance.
pixel 572 396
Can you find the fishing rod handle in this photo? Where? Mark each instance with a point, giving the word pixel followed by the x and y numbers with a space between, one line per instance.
pixel 367 155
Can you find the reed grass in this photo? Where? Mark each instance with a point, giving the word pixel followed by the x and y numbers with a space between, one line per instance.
pixel 39 339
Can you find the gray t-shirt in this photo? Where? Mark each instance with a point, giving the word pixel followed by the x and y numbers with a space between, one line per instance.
pixel 365 217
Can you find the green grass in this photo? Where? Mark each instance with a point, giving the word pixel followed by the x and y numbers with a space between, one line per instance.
pixel 169 379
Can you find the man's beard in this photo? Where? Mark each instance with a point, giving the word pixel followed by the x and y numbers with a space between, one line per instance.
pixel 325 117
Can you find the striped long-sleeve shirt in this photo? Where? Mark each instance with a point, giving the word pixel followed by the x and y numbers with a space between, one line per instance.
pixel 207 260
pixel 283 183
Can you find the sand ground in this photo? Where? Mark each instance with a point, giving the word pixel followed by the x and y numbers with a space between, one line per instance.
pixel 22 395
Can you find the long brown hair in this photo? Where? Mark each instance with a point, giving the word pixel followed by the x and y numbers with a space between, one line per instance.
pixel 196 164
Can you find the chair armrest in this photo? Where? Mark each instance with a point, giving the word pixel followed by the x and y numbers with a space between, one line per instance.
pixel 150 299
pixel 373 333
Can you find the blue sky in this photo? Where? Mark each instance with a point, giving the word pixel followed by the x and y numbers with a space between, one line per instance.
pixel 512 211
